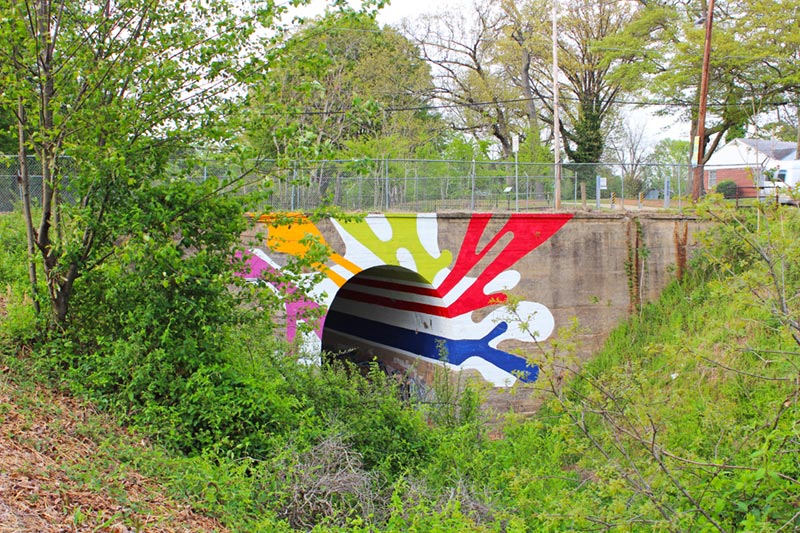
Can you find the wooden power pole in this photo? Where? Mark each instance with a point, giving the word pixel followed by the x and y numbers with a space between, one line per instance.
pixel 700 134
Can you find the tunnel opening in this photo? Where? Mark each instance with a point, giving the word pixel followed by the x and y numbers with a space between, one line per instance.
pixel 385 314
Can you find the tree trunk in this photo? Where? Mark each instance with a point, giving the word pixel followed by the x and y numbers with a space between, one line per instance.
pixel 61 290
pixel 25 189
pixel 527 90
pixel 59 284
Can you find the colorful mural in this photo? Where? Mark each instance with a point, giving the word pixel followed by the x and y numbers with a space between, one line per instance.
pixel 394 288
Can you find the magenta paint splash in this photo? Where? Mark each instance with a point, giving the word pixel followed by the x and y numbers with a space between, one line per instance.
pixel 298 307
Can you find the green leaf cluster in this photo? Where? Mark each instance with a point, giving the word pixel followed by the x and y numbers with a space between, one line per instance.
pixel 328 92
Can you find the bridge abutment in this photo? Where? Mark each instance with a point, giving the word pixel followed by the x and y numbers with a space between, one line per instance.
pixel 479 291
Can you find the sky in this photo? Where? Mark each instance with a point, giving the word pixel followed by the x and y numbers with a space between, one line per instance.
pixel 656 127
pixel 397 10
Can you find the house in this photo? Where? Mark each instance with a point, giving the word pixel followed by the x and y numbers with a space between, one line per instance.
pixel 747 162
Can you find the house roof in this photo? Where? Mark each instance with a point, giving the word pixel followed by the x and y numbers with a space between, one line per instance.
pixel 778 150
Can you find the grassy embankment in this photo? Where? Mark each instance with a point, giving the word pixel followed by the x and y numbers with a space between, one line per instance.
pixel 688 420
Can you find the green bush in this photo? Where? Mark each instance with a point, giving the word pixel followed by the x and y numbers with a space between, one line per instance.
pixel 19 324
pixel 728 189
pixel 148 326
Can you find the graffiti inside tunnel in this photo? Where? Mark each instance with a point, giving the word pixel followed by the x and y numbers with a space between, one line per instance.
pixel 389 286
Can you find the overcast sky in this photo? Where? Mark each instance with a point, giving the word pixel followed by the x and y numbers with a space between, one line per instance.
pixel 657 127
pixel 397 10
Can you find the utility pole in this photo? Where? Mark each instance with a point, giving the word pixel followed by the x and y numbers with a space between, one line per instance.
pixel 700 134
pixel 556 125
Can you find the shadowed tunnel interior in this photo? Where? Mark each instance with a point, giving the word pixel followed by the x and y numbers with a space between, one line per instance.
pixel 388 313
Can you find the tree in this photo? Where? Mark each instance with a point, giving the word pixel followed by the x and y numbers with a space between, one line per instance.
pixel 670 158
pixel 587 85
pixel 629 150
pixel 784 126
pixel 342 84
pixel 8 137
pixel 768 37
pixel 104 94
pixel 752 70
pixel 497 71
pixel 463 51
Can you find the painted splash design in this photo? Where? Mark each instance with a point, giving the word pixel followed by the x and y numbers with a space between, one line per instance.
pixel 430 312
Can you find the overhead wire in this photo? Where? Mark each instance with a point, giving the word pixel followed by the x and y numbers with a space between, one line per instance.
pixel 452 105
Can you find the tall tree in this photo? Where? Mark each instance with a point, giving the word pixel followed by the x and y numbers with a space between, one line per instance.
pixel 768 35
pixel 752 67
pixel 629 150
pixel 587 87
pixel 343 84
pixel 462 47
pixel 495 64
pixel 104 92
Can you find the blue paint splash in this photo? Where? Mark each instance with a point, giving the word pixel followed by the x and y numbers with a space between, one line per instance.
pixel 433 346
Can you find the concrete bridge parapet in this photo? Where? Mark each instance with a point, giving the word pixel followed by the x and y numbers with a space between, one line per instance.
pixel 422 290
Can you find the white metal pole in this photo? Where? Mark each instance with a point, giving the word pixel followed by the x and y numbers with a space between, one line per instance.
pixel 556 125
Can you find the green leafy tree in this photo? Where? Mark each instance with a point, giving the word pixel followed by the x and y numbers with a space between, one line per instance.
pixel 783 128
pixel 670 158
pixel 105 94
pixel 587 87
pixel 8 134
pixel 342 86
pixel 767 36
pixel 752 69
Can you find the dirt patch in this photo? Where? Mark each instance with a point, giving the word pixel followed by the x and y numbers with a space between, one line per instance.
pixel 55 478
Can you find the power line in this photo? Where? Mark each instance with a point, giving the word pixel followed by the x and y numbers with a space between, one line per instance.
pixel 455 105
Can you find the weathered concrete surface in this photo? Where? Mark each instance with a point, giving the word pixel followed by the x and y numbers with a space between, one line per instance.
pixel 398 284
pixel 599 268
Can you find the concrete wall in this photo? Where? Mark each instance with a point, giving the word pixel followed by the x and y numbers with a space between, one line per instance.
pixel 398 287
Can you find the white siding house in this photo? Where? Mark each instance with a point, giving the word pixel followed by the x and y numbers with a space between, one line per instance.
pixel 745 161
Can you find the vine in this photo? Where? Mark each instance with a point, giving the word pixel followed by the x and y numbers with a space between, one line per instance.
pixel 636 264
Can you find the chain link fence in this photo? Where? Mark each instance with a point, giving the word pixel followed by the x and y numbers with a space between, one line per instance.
pixel 437 186
pixel 380 185
pixel 10 194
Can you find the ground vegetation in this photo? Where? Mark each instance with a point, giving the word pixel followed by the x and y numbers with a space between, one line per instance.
pixel 685 421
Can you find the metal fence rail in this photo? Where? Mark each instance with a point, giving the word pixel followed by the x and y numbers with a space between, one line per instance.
pixel 379 185
pixel 427 185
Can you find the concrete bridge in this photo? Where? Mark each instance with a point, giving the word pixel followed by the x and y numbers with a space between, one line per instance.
pixel 420 290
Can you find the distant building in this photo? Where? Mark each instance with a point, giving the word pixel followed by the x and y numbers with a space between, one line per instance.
pixel 747 162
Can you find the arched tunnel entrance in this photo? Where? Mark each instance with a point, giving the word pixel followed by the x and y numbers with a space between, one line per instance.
pixel 395 316
pixel 386 313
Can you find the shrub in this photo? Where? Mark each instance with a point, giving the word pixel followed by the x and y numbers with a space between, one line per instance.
pixel 18 321
pixel 728 189
pixel 148 326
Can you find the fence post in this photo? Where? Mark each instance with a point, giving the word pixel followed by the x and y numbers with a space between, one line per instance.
pixel 583 195
pixel 472 187
pixel 360 190
pixel 416 185
pixel 386 179
pixel 575 192
pixel 294 182
pixel 516 182
pixel 597 191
